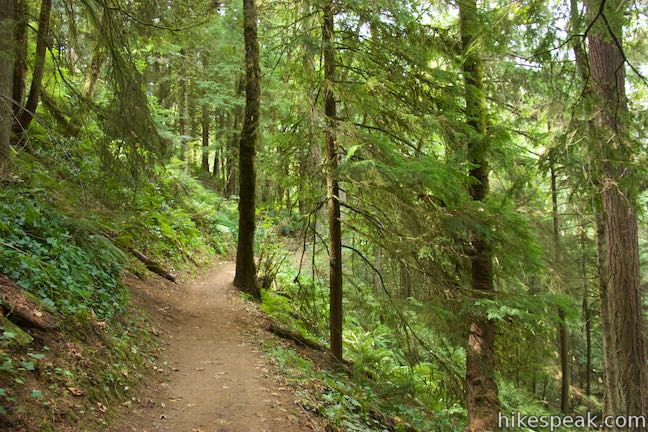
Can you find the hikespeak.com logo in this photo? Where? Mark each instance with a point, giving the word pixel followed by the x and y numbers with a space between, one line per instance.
pixel 553 422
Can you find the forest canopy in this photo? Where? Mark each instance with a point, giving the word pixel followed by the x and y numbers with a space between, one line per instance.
pixel 448 197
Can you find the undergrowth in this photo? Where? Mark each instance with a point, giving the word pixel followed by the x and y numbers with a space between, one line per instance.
pixel 391 386
pixel 355 403
pixel 66 237
pixel 405 375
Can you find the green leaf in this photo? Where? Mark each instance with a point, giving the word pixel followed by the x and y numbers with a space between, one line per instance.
pixel 36 356
pixel 29 365
pixel 7 365
pixel 37 394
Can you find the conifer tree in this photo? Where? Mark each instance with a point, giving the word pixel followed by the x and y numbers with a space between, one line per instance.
pixel 245 278
pixel 482 398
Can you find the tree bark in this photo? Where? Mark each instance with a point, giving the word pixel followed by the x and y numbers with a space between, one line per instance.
pixel 333 188
pixel 614 152
pixel 7 51
pixel 92 74
pixel 482 397
pixel 26 115
pixel 192 120
pixel 18 303
pixel 563 337
pixel 204 122
pixel 182 100
pixel 232 150
pixel 612 400
pixel 220 134
pixel 153 266
pixel 587 320
pixel 20 64
pixel 245 278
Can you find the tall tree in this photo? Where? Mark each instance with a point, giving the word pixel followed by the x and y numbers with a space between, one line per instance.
pixel 26 115
pixel 333 186
pixel 610 366
pixel 205 120
pixel 482 397
pixel 231 150
pixel 6 79
pixel 204 123
pixel 614 150
pixel 245 278
pixel 183 97
pixel 563 335
pixel 20 65
pixel 587 317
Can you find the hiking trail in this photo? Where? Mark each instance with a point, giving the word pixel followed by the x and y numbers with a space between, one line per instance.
pixel 212 375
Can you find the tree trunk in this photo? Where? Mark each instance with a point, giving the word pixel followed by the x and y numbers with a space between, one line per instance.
pixel 163 90
pixel 405 281
pixel 245 278
pixel 333 188
pixel 92 74
pixel 482 396
pixel 610 367
pixel 7 52
pixel 219 135
pixel 182 99
pixel 232 150
pixel 204 122
pixel 27 114
pixel 192 121
pixel 98 59
pixel 20 64
pixel 606 65
pixel 232 158
pixel 563 344
pixel 612 400
pixel 587 319
pixel 377 262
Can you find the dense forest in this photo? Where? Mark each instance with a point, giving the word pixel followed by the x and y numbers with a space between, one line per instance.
pixel 437 209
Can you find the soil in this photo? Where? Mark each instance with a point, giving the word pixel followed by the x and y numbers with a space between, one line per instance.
pixel 212 375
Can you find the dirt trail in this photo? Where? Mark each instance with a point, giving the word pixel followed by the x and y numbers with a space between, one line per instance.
pixel 216 379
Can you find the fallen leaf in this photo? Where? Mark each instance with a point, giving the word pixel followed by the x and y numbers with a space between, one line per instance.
pixel 101 407
pixel 75 391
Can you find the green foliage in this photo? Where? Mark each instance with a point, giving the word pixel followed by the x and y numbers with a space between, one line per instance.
pixel 357 404
pixel 179 219
pixel 401 376
pixel 74 272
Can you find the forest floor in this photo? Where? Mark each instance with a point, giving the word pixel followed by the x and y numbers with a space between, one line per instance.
pixel 213 375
